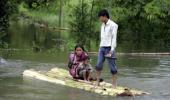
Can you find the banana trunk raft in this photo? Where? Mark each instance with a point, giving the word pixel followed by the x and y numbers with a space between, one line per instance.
pixel 62 77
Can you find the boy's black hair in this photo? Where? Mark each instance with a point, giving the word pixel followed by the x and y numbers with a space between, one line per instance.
pixel 103 12
pixel 79 46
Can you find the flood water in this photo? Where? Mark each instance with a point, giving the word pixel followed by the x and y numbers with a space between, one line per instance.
pixel 147 73
pixel 150 74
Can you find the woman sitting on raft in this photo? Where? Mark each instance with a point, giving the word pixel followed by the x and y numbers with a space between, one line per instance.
pixel 79 67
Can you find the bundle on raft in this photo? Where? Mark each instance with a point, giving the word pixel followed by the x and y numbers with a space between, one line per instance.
pixel 62 77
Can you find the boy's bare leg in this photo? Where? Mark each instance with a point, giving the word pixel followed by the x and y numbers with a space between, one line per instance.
pixel 84 75
pixel 98 73
pixel 89 75
pixel 114 81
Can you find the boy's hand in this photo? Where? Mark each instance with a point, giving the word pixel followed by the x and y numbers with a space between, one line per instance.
pixel 77 75
pixel 111 52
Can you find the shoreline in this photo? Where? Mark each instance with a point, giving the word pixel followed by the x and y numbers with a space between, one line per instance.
pixel 93 52
pixel 140 53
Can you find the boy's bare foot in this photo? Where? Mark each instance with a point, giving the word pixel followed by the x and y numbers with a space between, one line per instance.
pixel 98 83
pixel 114 83
pixel 88 82
pixel 114 86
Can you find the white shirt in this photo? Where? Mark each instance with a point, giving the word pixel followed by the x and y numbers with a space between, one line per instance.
pixel 109 34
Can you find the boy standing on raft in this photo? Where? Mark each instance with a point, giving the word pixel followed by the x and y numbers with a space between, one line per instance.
pixel 107 46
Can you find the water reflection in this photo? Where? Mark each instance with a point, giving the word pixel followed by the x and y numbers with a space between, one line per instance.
pixel 24 34
pixel 26 37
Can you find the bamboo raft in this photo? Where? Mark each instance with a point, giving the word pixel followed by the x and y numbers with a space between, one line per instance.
pixel 62 77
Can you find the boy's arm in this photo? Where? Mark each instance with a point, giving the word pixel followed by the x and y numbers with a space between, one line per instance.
pixel 114 37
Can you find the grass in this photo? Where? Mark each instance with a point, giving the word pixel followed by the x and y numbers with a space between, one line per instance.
pixel 46 18
pixel 49 15
pixel 42 15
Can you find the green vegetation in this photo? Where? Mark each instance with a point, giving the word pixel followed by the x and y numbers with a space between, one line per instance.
pixel 7 8
pixel 49 12
pixel 81 24
pixel 43 15
pixel 144 25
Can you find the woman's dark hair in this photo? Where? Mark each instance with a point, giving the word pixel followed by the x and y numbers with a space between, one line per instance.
pixel 79 46
pixel 103 12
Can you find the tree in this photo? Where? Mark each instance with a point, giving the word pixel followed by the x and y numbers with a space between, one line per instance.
pixel 143 24
pixel 81 24
pixel 7 8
